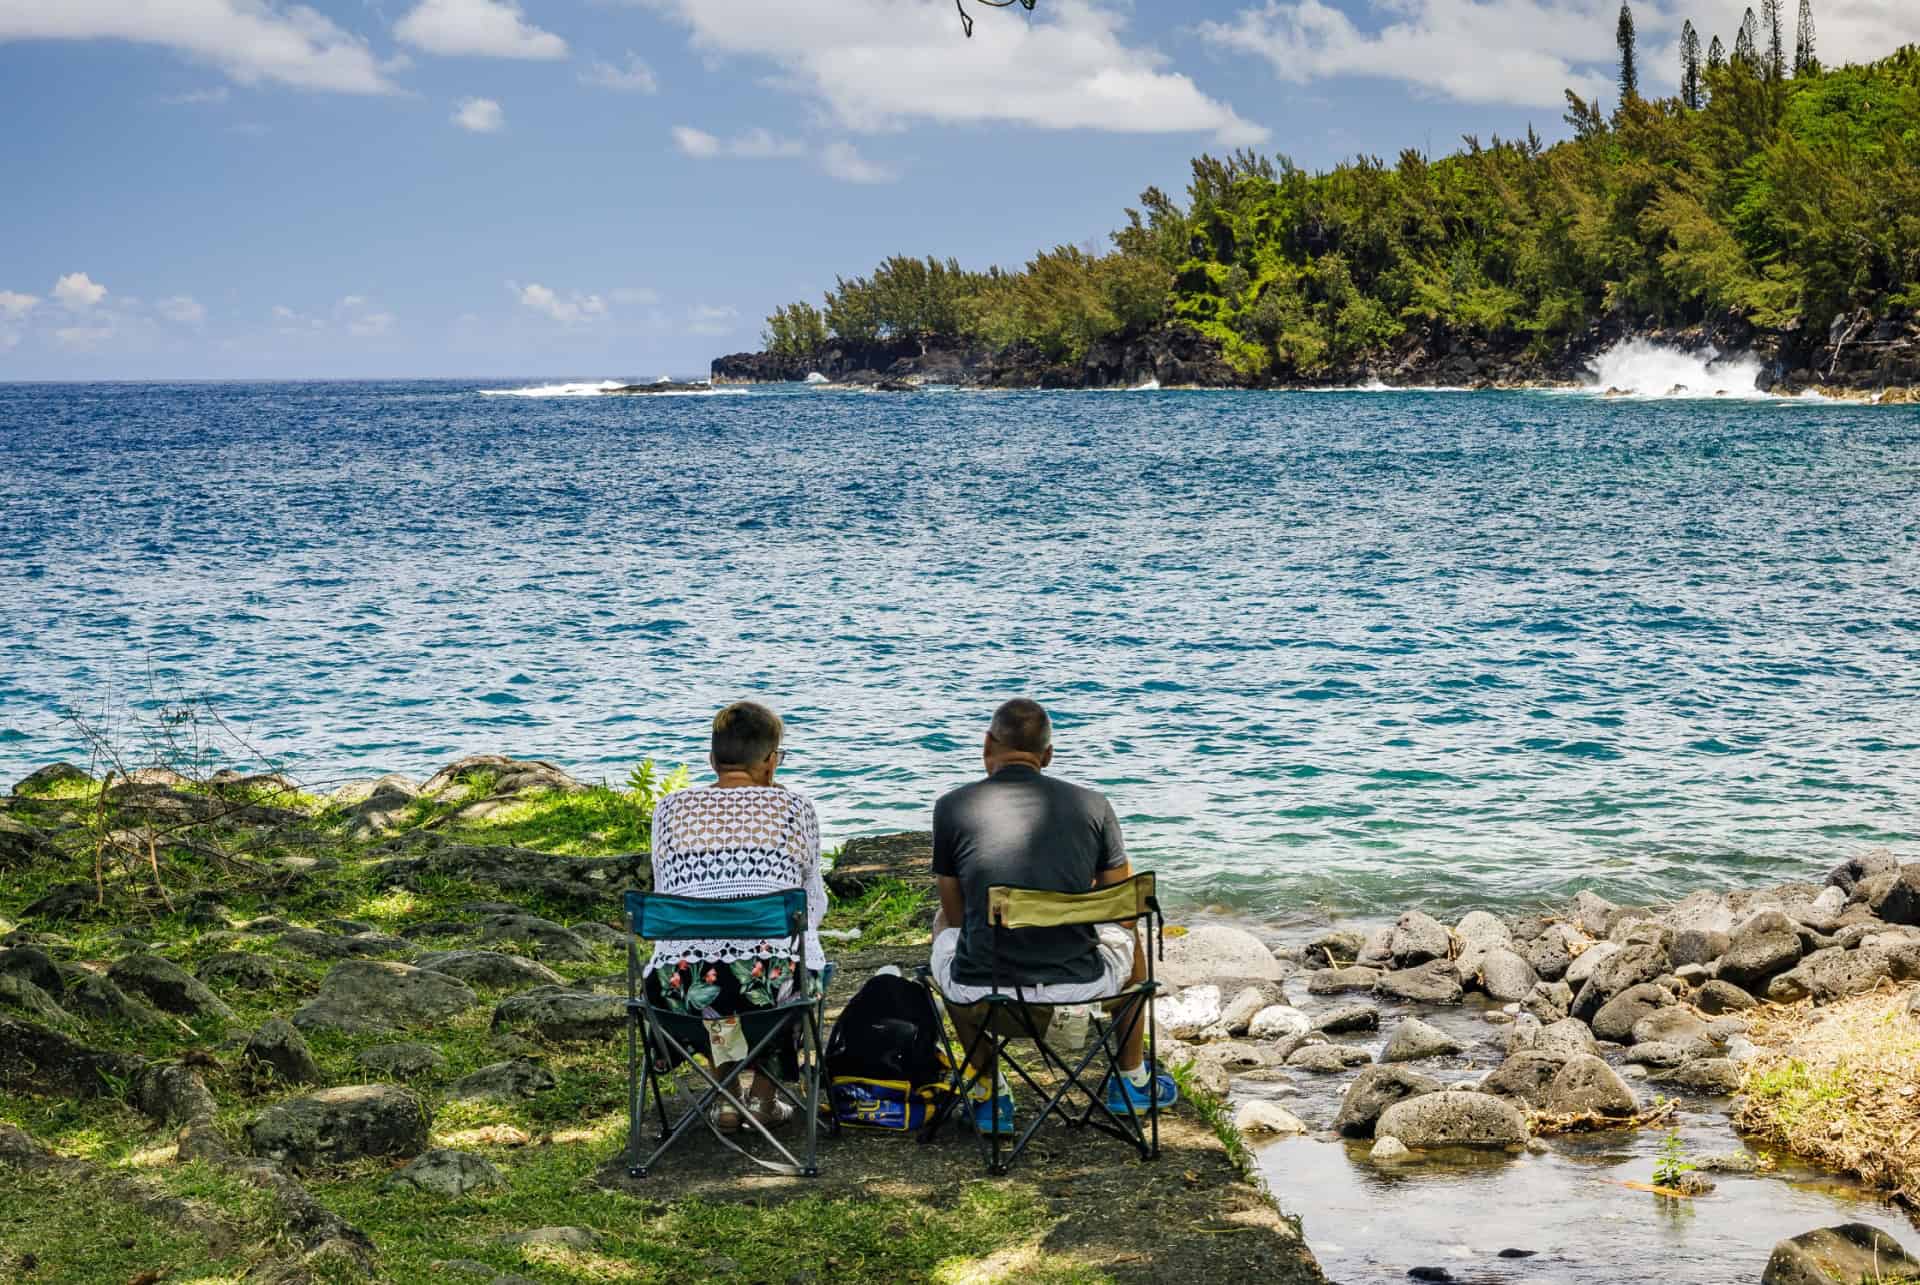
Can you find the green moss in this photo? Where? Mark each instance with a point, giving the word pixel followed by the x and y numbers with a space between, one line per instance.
pixel 890 913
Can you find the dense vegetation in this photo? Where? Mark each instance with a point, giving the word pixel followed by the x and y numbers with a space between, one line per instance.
pixel 1781 192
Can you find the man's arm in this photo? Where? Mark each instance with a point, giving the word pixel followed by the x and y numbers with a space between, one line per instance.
pixel 1113 874
pixel 953 902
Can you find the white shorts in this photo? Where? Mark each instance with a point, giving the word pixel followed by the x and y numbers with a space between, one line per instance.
pixel 1116 967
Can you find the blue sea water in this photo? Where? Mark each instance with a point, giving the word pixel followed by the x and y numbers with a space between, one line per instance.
pixel 1329 653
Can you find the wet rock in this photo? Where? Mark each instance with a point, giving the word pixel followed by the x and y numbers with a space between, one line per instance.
pixel 1767 943
pixel 97 999
pixel 1587 1085
pixel 401 1061
pixel 1430 983
pixel 335 1126
pixel 1389 1151
pixel 36 966
pixel 1414 1040
pixel 50 778
pixel 1433 1274
pixel 168 987
pixel 1654 1053
pixel 558 1014
pixel 1419 938
pixel 1729 1162
pixel 1348 1018
pixel 1716 1075
pixel 1506 977
pixel 448 1173
pixel 1854 871
pixel 1207 952
pixel 490 968
pixel 1525 1077
pixel 1268 1117
pixel 1375 1089
pixel 242 971
pixel 1377 952
pixel 1278 1021
pixel 1335 981
pixel 1693 1184
pixel 510 1081
pixel 23 997
pixel 1327 1059
pixel 1454 1119
pixel 1722 997
pixel 367 996
pixel 1844 1255
pixel 277 1052
pixel 1631 966
pixel 1238 1013
pixel 545 938
pixel 1615 1021
pixel 1332 950
pixel 1194 1010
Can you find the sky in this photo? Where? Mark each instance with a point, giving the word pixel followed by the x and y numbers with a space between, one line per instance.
pixel 624 188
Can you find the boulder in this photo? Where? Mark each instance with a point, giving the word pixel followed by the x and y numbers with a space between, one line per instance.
pixel 1506 977
pixel 1552 953
pixel 21 844
pixel 1631 928
pixel 1588 962
pixel 1478 933
pixel 96 998
pixel 1435 982
pixel 1414 1040
pixel 1653 1053
pixel 36 966
pixel 1327 1059
pixel 1389 1151
pixel 23 997
pixel 1701 912
pixel 1588 1086
pixel 1419 938
pixel 1377 951
pixel 318 945
pixel 1548 1002
pixel 489 968
pixel 1454 1119
pixel 561 1015
pixel 1843 1255
pixel 1631 966
pixel 1525 1077
pixel 1675 1025
pixel 1374 1090
pixel 509 1081
pixel 1767 943
pixel 868 861
pixel 1347 1019
pixel 545 938
pixel 1854 871
pixel 1833 973
pixel 168 987
pixel 1720 1076
pixel 1267 1117
pixel 1694 946
pixel 1332 950
pixel 447 1173
pixel 1194 1010
pixel 1209 952
pixel 1562 1039
pixel 1238 1013
pixel 1615 1021
pixel 368 997
pixel 1593 914
pixel 46 780
pixel 401 1061
pixel 277 1052
pixel 335 1126
pixel 241 970
pixel 1722 997
pixel 1897 899
pixel 509 776
pixel 1335 981
pixel 377 807
pixel 1278 1022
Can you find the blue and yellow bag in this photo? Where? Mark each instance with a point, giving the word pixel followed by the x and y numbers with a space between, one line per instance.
pixel 886 1059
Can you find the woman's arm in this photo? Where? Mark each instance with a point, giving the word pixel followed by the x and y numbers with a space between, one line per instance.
pixel 808 837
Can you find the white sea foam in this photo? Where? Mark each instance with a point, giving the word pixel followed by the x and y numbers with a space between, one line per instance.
pixel 815 377
pixel 555 390
pixel 1639 368
pixel 1151 386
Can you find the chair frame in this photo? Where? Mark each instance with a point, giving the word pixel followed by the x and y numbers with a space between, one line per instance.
pixel 651 1027
pixel 1113 1014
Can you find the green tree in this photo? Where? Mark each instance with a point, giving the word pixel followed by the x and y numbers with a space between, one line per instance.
pixel 1746 51
pixel 1804 61
pixel 1629 69
pixel 1690 66
pixel 1716 54
pixel 1776 65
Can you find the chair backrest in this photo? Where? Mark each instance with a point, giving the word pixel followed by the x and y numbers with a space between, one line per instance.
pixel 654 915
pixel 1123 902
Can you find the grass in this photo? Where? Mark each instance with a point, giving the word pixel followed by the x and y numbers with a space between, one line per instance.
pixel 890 913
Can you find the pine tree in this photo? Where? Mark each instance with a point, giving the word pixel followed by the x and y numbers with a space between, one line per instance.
pixel 1776 42
pixel 1804 62
pixel 1746 45
pixel 1716 54
pixel 1629 67
pixel 1690 66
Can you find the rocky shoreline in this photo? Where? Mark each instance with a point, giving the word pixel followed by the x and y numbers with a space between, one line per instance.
pixel 1857 357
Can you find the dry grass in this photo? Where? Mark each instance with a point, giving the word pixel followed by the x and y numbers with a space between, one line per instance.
pixel 1840 1085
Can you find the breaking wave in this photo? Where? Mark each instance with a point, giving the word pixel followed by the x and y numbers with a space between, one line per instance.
pixel 555 390
pixel 1639 368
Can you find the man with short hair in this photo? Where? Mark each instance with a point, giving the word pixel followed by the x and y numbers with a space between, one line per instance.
pixel 1026 829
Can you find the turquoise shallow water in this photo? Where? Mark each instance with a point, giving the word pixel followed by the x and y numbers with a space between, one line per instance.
pixel 1328 652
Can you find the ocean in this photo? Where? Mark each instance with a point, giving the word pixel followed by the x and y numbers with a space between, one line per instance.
pixel 1330 653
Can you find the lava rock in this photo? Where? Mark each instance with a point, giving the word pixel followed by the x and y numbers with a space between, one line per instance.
pixel 1268 1117
pixel 1897 899
pixel 1389 1151
pixel 1843 1255
pixel 1765 944
pixel 1675 1026
pixel 1332 950
pixel 1208 952
pixel 242 971
pixel 1854 871
pixel 21 844
pixel 1593 913
pixel 510 1081
pixel 1327 1059
pixel 1347 1019
pixel 401 1061
pixel 36 966
pixel 335 1126
pixel 277 1051
pixel 1525 1077
pixel 1506 977
pixel 561 1015
pixel 1586 1085
pixel 1435 982
pixel 1414 1040
pixel 545 938
pixel 447 1173
pixel 96 998
pixel 1278 1022
pixel 1454 1119
pixel 1238 1013
pixel 1631 966
pixel 1615 1021
pixel 1694 946
pixel 1374 1090
pixel 1716 1075
pixel 1551 954
pixel 21 995
pixel 1478 934
pixel 1335 981
pixel 1722 997
pixel 168 987
pixel 366 996
pixel 1419 938
pixel 1587 962
pixel 1548 1002
pixel 49 778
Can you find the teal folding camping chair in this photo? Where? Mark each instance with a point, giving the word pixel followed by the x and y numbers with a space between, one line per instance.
pixel 658 1039
pixel 1007 1015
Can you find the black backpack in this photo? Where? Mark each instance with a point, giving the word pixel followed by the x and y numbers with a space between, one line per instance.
pixel 885 1056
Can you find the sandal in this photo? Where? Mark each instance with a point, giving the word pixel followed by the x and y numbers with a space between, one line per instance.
pixel 723 1117
pixel 775 1114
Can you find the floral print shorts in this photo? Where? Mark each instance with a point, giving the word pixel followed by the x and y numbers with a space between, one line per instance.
pixel 717 988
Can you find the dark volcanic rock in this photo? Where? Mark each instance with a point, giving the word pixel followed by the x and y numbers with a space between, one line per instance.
pixel 1525 1077
pixel 1585 1085
pixel 36 966
pixel 559 1014
pixel 335 1126
pixel 906 857
pixel 1844 1255
pixel 1615 1021
pixel 1430 983
pixel 508 1081
pixel 1453 1119
pixel 1630 966
pixel 242 971
pixel 448 1173
pixel 1348 1018
pixel 1335 981
pixel 1374 1090
pixel 402 1061
pixel 490 968
pixel 1765 944
pixel 1898 901
pixel 168 987
pixel 1722 997
pixel 276 1051
pixel 49 778
pixel 1851 873
pixel 21 844
pixel 366 996
pixel 1417 939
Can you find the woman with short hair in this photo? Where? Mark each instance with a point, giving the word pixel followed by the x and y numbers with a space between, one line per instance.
pixel 742 836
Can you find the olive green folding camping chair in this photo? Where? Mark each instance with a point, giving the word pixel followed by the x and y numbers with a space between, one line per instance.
pixel 658 1039
pixel 1010 1015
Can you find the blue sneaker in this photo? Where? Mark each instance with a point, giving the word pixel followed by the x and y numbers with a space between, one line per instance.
pixel 992 1115
pixel 1159 1090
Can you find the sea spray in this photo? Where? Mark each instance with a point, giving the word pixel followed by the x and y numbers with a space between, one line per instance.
pixel 1641 368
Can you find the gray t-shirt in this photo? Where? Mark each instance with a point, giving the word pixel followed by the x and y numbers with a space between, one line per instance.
pixel 1024 828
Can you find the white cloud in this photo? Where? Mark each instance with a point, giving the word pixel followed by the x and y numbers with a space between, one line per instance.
pixel 480 116
pixel 706 319
pixel 749 145
pixel 14 305
pixel 569 310
pixel 360 316
pixel 477 28
pixel 193 97
pixel 634 78
pixel 78 292
pixel 695 142
pixel 251 40
pixel 878 63
pixel 182 309
pixel 844 162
